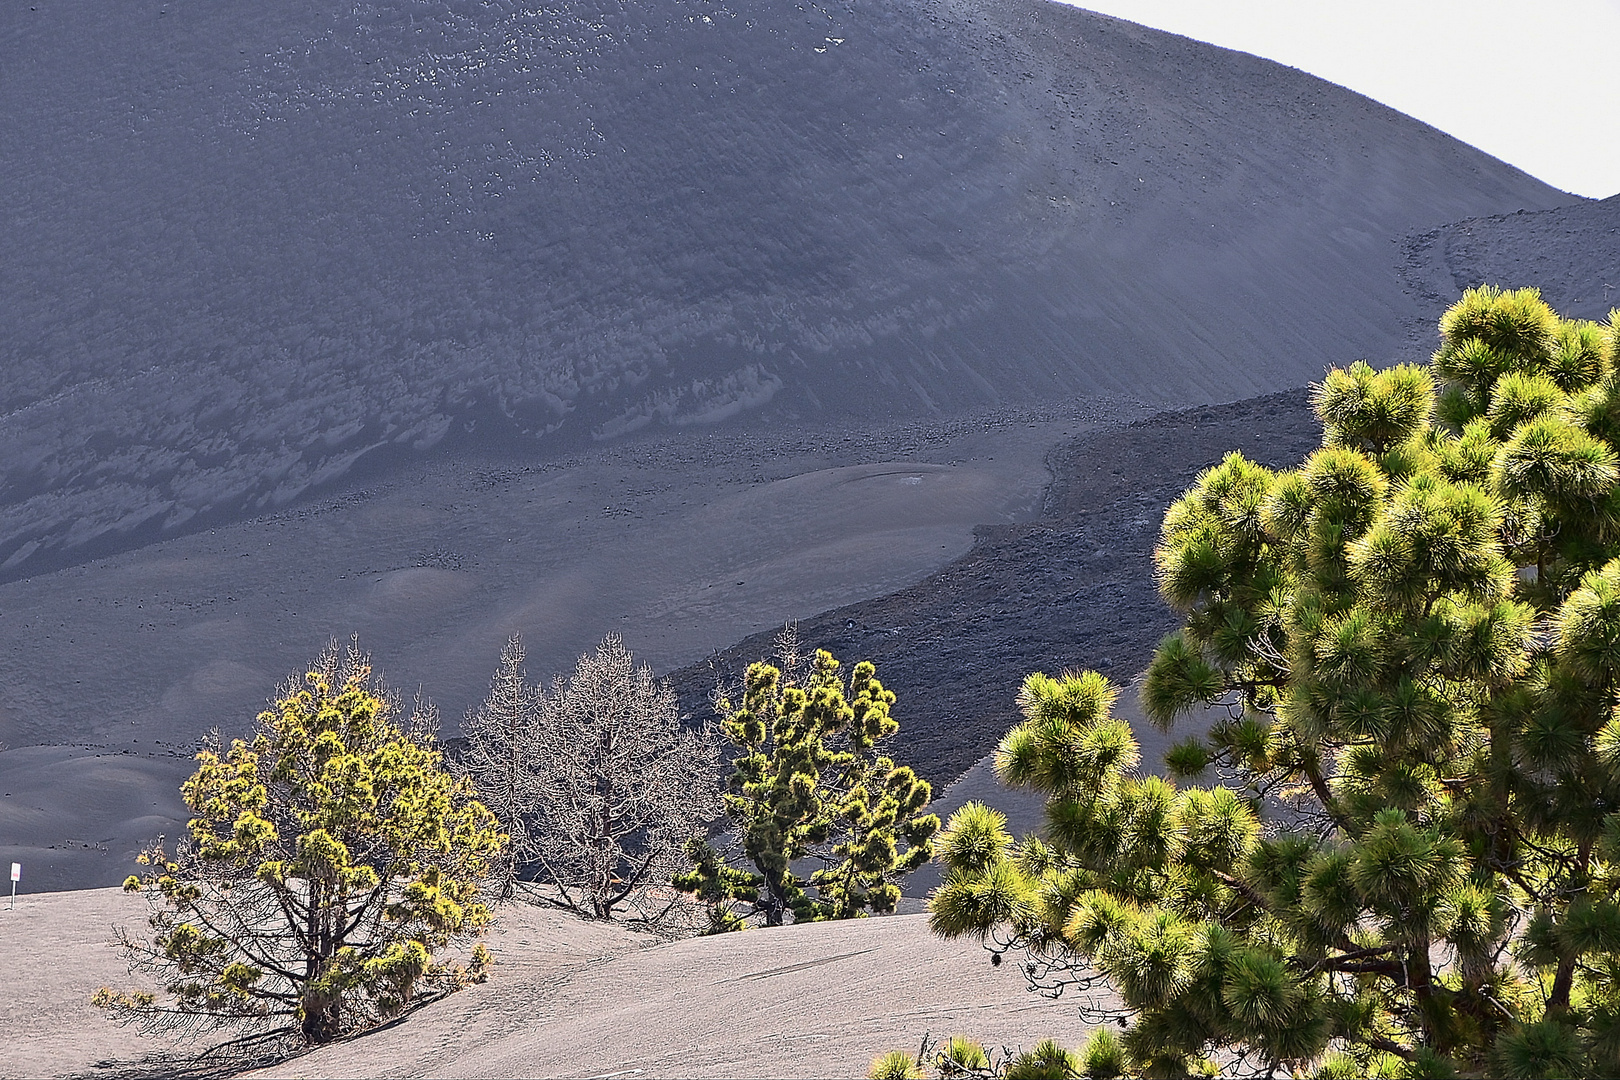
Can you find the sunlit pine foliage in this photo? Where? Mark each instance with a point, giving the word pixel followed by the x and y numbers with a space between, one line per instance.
pixel 1410 862
pixel 826 824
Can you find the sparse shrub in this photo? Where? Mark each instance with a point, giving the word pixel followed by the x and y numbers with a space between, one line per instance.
pixel 895 1065
pixel 1103 1055
pixel 961 1056
pixel 1047 1061
pixel 329 861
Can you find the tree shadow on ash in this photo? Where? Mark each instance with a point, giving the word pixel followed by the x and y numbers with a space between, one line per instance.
pixel 182 1065
pixel 226 1059
pixel 230 1058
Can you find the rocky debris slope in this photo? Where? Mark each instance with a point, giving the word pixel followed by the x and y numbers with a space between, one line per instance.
pixel 1570 253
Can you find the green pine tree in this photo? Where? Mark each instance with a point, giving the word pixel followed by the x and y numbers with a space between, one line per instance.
pixel 1411 867
pixel 808 784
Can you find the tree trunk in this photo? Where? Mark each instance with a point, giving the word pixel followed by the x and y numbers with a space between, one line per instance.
pixel 775 903
pixel 508 864
pixel 320 1012
pixel 1563 983
pixel 601 885
pixel 1564 979
pixel 1420 980
pixel 321 1016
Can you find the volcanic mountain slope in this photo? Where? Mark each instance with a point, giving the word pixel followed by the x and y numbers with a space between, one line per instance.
pixel 1074 587
pixel 250 246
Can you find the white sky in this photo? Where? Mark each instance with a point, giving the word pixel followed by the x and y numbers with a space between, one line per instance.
pixel 1536 84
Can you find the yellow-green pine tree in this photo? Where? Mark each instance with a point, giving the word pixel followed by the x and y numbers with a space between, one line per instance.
pixel 808 782
pixel 329 861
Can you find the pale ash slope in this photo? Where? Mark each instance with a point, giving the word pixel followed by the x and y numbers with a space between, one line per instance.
pixel 56 950
pixel 568 998
pixel 249 246
pixel 816 1000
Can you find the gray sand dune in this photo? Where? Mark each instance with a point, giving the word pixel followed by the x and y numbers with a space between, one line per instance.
pixel 571 998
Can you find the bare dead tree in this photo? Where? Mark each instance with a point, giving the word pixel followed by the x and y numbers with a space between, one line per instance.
pixel 500 737
pixel 620 784
pixel 596 782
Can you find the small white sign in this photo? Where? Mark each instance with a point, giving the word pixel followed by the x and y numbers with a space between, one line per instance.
pixel 16 871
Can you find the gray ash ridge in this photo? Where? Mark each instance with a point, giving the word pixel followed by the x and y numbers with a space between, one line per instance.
pixel 1570 253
